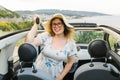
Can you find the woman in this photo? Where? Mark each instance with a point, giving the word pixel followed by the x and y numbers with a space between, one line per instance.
pixel 58 46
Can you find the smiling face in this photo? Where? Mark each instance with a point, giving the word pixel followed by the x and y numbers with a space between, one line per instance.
pixel 57 26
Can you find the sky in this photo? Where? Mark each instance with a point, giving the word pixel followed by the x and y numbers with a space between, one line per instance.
pixel 102 6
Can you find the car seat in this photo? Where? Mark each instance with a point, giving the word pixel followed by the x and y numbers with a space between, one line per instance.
pixel 28 53
pixel 97 70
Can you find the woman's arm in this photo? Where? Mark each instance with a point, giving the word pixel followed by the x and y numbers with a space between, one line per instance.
pixel 66 69
pixel 30 38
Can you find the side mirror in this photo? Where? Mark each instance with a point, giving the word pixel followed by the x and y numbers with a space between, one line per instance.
pixel 117 47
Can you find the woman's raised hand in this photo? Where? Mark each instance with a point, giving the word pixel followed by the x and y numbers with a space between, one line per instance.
pixel 37 20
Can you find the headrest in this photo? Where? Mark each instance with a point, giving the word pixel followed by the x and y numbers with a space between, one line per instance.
pixel 27 52
pixel 98 48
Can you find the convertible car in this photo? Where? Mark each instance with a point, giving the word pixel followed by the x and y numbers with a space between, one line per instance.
pixel 98 56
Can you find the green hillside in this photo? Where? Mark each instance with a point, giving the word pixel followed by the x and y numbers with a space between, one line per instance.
pixel 5 13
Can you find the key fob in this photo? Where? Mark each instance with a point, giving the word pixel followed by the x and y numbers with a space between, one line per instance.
pixel 37 20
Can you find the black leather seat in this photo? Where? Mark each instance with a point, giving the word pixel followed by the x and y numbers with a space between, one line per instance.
pixel 97 70
pixel 28 53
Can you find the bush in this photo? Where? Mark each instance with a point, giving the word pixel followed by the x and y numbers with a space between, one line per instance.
pixel 5 26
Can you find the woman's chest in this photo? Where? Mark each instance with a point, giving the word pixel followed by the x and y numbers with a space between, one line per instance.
pixel 49 51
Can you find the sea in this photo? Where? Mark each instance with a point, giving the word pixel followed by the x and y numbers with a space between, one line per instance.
pixel 112 21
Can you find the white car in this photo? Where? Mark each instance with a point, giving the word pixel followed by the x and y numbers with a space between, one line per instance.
pixel 98 55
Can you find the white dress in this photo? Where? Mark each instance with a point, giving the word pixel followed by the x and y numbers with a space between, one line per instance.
pixel 51 60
